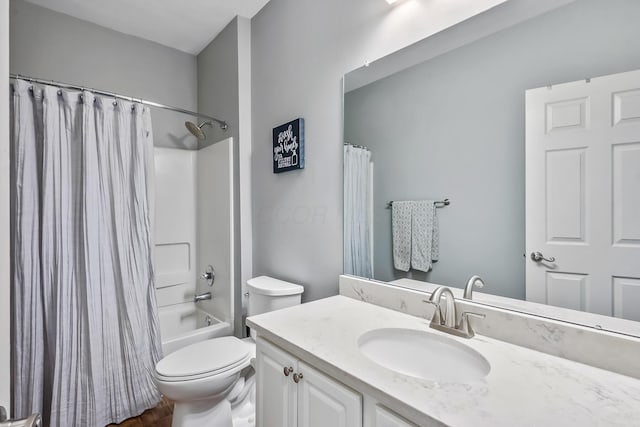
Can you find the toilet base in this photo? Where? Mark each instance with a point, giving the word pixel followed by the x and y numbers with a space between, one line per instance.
pixel 202 413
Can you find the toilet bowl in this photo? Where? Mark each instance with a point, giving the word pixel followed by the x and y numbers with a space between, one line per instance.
pixel 212 382
pixel 199 379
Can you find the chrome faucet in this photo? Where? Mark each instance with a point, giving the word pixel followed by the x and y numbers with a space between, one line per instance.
pixel 202 297
pixel 449 318
pixel 448 322
pixel 473 280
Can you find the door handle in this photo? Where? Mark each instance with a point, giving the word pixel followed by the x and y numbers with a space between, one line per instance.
pixel 297 378
pixel 538 257
pixel 287 371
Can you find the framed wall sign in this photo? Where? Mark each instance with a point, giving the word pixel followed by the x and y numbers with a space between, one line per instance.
pixel 288 146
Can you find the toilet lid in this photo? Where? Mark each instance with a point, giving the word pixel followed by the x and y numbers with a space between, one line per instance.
pixel 203 357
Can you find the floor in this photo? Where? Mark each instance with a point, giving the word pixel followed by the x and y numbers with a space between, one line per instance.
pixel 160 416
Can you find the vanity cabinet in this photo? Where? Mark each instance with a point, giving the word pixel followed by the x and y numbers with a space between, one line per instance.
pixel 291 393
pixel 376 415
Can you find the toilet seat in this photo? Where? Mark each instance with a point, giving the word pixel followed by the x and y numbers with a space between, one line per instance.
pixel 204 359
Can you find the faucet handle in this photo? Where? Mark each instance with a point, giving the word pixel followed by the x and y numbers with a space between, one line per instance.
pixel 468 314
pixel 464 324
pixel 209 275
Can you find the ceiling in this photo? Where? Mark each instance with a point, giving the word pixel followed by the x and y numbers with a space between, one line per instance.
pixel 186 25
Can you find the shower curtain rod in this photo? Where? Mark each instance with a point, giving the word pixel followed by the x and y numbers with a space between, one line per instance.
pixel 222 123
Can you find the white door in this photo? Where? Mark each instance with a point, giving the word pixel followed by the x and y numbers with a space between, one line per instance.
pixel 583 195
pixel 276 393
pixel 323 402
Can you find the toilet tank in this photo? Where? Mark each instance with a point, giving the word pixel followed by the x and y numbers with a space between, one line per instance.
pixel 269 294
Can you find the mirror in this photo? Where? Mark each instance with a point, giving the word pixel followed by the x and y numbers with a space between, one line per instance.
pixel 455 125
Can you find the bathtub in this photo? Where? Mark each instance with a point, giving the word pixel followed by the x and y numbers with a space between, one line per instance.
pixel 185 323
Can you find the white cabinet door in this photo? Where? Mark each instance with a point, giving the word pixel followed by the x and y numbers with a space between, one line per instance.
pixel 323 402
pixel 384 418
pixel 276 393
pixel 582 195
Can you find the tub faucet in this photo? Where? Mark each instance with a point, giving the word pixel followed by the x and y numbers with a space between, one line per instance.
pixel 202 297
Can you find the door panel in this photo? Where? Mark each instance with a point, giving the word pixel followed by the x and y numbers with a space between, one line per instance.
pixel 276 394
pixel 626 107
pixel 582 197
pixel 567 115
pixel 626 298
pixel 626 195
pixel 324 402
pixel 565 195
pixel 567 290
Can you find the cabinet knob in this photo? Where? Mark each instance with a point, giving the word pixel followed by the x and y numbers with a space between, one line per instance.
pixel 287 371
pixel 297 378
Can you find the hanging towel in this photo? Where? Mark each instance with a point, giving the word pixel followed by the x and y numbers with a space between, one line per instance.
pixel 425 235
pixel 401 234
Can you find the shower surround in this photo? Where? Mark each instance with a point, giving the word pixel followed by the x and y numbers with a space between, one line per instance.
pixel 194 229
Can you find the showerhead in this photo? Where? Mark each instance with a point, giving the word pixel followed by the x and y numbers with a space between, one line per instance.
pixel 196 130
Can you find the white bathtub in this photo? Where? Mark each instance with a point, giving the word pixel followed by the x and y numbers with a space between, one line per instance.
pixel 184 324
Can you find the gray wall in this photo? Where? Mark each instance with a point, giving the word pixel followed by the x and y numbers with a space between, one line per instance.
pixel 219 83
pixel 454 127
pixel 300 51
pixel 55 46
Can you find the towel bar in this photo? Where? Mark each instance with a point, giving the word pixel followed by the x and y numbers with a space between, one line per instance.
pixel 439 203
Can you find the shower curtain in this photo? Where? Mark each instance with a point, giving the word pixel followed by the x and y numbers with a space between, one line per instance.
pixel 357 211
pixel 84 319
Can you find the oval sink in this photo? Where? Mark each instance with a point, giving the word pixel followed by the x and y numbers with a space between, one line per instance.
pixel 422 354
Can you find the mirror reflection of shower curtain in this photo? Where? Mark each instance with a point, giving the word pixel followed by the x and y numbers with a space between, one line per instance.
pixel 85 327
pixel 358 242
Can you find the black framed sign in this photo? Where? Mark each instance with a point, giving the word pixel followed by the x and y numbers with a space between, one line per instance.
pixel 288 146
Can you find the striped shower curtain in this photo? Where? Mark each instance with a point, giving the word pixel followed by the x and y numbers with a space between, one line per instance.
pixel 85 326
pixel 357 212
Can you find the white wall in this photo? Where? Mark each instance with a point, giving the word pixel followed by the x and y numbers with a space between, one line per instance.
pixel 5 377
pixel 300 50
pixel 244 165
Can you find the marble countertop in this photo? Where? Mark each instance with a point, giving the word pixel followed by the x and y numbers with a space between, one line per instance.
pixel 523 388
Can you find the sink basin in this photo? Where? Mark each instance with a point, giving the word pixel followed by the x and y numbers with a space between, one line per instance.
pixel 424 355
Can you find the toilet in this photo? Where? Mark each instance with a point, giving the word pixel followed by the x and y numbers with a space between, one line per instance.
pixel 212 382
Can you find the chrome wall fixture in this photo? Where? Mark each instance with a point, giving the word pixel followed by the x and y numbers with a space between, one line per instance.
pixel 439 203
pixel 222 123
pixel 209 275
